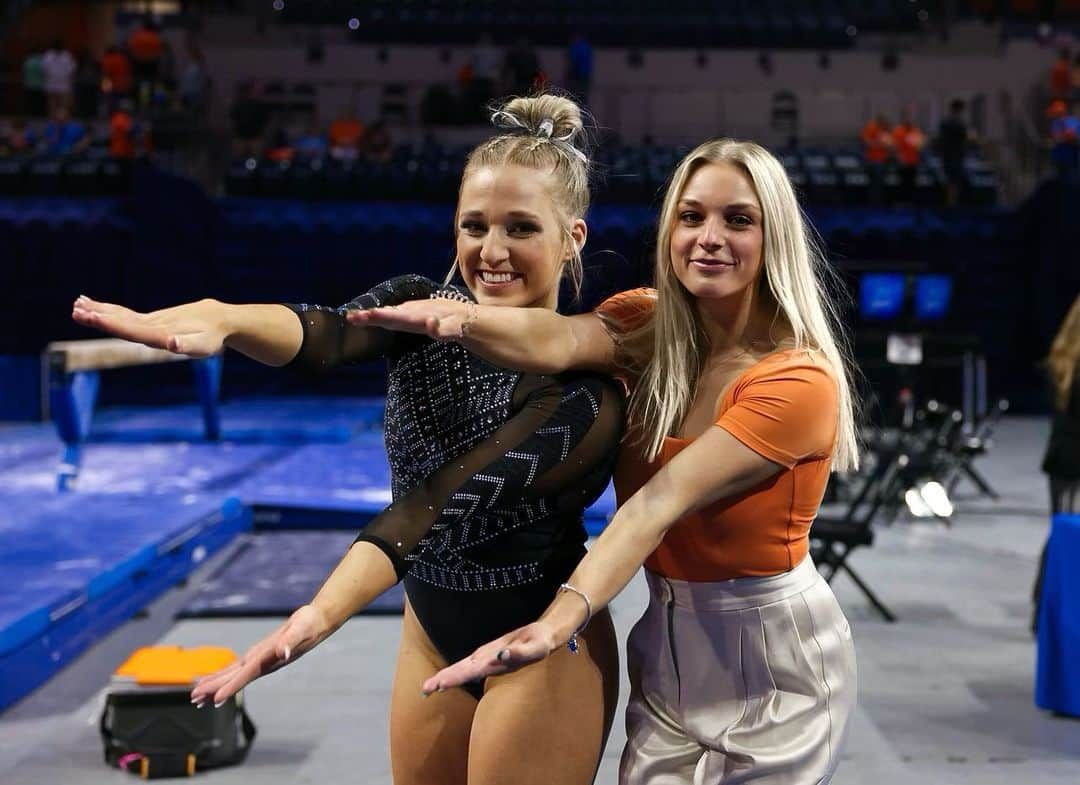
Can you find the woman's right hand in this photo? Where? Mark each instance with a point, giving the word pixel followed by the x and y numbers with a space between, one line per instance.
pixel 438 318
pixel 304 630
pixel 196 329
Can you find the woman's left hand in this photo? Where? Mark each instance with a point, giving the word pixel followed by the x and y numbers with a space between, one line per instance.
pixel 514 650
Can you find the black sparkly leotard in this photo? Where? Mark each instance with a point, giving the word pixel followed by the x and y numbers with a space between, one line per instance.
pixel 491 469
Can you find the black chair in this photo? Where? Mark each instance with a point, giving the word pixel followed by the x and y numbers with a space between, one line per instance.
pixel 833 539
pixel 966 447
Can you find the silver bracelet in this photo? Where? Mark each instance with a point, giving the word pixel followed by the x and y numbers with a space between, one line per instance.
pixel 572 644
pixel 469 320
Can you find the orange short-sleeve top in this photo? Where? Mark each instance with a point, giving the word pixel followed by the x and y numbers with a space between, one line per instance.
pixel 784 408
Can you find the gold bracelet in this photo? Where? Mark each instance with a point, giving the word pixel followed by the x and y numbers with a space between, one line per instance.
pixel 469 320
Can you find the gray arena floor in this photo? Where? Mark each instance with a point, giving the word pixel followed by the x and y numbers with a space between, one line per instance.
pixel 945 693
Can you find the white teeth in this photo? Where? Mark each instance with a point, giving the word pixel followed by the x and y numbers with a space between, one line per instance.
pixel 489 277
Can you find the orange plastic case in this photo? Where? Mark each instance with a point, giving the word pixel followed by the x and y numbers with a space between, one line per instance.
pixel 173 665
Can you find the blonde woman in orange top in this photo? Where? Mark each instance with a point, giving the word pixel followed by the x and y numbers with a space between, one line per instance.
pixel 742 667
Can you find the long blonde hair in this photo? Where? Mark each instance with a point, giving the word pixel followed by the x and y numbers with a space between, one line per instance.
pixel 668 353
pixel 541 132
pixel 1064 354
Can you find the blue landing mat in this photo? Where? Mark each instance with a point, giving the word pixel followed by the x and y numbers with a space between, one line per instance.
pixel 247 421
pixel 151 469
pixel 75 567
pixel 274 573
pixel 329 486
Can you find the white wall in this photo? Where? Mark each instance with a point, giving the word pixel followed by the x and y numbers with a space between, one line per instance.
pixel 670 97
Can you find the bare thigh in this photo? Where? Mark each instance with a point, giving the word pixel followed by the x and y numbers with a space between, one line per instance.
pixel 429 737
pixel 547 723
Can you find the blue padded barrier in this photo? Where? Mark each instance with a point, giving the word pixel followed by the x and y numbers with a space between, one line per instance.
pixel 76 567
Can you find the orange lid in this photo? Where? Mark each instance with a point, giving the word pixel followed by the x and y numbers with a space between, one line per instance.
pixel 174 664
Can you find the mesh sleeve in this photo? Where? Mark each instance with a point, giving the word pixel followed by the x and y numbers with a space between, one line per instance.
pixel 561 444
pixel 330 341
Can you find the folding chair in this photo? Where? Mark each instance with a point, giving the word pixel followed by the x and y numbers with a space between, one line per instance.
pixel 832 539
pixel 969 446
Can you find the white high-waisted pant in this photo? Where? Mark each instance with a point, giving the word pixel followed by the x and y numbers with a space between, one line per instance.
pixel 739 681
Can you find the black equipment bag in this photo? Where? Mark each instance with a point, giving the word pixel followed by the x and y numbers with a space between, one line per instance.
pixel 157 732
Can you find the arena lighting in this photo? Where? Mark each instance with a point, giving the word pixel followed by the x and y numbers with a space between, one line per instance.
pixel 923 15
pixel 928 500
pixel 851 31
pixel 354 24
pixel 279 5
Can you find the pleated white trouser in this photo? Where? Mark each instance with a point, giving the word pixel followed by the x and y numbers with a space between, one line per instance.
pixel 739 681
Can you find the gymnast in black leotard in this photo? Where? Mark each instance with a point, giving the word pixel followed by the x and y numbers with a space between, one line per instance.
pixel 491 472
pixel 490 469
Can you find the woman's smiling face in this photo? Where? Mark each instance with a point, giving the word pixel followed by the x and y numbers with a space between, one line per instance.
pixel 511 242
pixel 717 238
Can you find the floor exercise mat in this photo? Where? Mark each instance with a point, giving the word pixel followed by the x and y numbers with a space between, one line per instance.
pixel 334 486
pixel 274 573
pixel 150 469
pixel 296 420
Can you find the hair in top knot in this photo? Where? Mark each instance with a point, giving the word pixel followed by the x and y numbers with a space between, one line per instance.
pixel 541 132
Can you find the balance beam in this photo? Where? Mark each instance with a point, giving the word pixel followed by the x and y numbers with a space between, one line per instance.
pixel 72 370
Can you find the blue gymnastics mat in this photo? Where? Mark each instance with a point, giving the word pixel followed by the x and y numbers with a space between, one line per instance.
pixel 331 486
pixel 75 567
pixel 274 573
pixel 150 469
pixel 294 420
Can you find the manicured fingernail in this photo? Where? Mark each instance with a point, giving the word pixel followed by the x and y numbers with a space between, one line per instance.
pixel 424 694
pixel 502 655
pixel 219 705
pixel 200 704
pixel 440 689
pixel 288 653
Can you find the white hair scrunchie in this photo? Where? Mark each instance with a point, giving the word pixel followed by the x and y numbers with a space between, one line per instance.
pixel 511 123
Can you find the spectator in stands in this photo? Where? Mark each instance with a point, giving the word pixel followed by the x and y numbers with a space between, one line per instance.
pixel 63 135
pixel 908 142
pixel 249 118
pixel 1061 462
pixel 1060 77
pixel 126 134
pixel 145 46
pixel 59 67
pixel 377 145
pixel 116 79
pixel 194 84
pixel 17 138
pixel 521 69
pixel 1064 138
pixel 33 75
pixel 312 143
pixel 878 143
pixel 345 135
pixel 87 86
pixel 953 137
pixel 579 68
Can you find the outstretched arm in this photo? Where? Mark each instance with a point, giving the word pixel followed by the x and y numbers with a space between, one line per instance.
pixel 715 466
pixel 535 340
pixel 270 334
pixel 362 575
pixel 315 337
